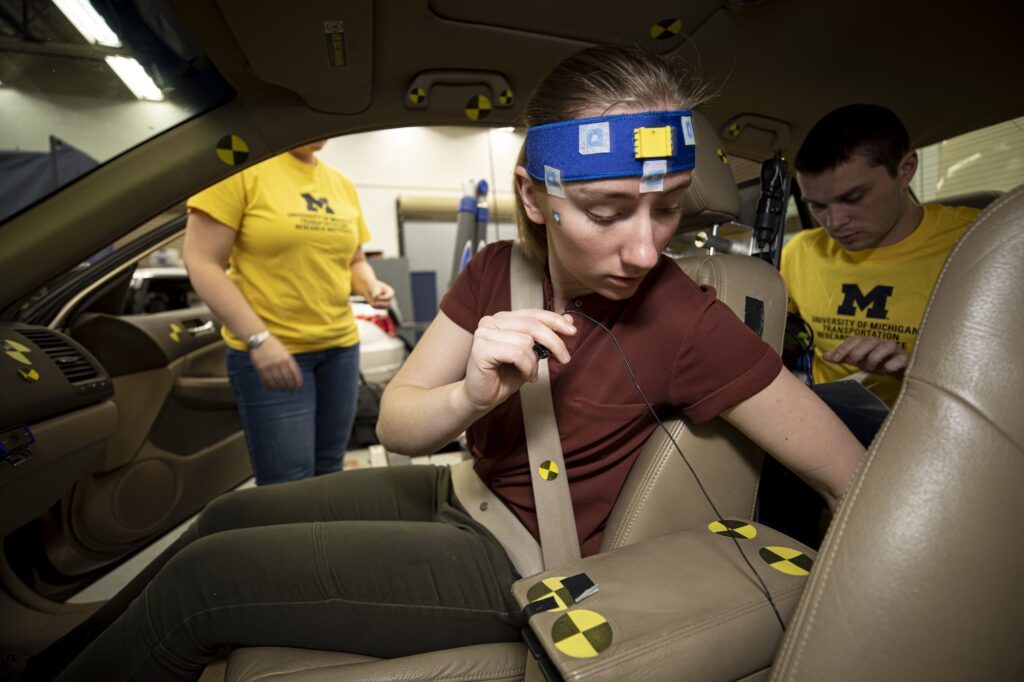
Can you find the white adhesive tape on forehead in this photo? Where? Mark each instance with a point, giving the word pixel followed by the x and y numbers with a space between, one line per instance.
pixel 553 182
pixel 653 179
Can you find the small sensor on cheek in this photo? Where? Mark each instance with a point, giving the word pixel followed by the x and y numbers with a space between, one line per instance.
pixel 557 216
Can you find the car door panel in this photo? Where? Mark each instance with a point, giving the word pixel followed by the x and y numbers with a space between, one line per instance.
pixel 177 445
pixel 55 419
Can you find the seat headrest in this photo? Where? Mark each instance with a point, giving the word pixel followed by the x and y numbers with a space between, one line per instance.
pixel 751 287
pixel 712 197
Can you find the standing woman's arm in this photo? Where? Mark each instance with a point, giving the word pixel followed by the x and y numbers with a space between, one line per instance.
pixel 208 244
pixel 365 283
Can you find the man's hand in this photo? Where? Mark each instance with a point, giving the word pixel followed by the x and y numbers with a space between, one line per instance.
pixel 871 355
pixel 276 365
pixel 380 295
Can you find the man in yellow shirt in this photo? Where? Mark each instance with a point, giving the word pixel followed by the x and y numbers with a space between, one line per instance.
pixel 862 280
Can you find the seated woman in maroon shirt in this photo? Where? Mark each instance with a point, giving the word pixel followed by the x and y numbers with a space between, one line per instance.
pixel 600 241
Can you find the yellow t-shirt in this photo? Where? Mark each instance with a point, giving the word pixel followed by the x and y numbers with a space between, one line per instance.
pixel 874 292
pixel 298 228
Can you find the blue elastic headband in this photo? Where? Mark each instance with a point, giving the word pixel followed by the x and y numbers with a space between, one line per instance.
pixel 611 146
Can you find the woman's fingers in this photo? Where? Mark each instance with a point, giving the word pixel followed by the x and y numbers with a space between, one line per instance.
pixel 278 369
pixel 543 326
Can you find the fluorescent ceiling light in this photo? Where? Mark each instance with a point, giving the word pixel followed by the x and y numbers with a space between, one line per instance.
pixel 135 77
pixel 506 129
pixel 90 24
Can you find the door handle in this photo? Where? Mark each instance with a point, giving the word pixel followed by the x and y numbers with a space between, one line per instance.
pixel 198 327
pixel 419 91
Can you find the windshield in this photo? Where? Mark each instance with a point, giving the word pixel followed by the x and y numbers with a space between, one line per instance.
pixel 82 81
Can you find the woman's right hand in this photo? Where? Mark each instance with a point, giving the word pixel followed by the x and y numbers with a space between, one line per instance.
pixel 277 367
pixel 502 357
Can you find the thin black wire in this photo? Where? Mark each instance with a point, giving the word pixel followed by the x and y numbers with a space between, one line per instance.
pixel 650 407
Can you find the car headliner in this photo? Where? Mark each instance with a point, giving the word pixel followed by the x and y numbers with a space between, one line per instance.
pixel 946 68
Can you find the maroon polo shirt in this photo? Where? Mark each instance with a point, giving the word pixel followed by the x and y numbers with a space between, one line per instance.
pixel 689 353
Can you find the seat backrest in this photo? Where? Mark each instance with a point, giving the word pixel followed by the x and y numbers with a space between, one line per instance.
pixel 919 575
pixel 660 494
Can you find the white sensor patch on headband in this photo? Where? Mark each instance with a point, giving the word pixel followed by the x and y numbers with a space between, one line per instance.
pixel 687 125
pixel 553 182
pixel 653 179
pixel 595 138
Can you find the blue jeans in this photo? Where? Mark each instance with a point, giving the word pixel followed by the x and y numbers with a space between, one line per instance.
pixel 301 433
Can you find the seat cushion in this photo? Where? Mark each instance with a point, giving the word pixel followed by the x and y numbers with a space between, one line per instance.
pixel 479 663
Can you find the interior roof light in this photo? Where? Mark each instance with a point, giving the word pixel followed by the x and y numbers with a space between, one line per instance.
pixel 89 23
pixel 135 77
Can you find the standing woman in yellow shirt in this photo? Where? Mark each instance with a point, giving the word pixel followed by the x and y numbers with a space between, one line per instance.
pixel 289 232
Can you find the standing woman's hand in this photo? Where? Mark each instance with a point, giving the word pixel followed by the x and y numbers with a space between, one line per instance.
pixel 277 367
pixel 380 295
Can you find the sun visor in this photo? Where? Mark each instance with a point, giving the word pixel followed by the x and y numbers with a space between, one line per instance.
pixel 323 53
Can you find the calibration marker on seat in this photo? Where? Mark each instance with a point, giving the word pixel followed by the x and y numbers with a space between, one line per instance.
pixel 581 633
pixel 732 528
pixel 787 560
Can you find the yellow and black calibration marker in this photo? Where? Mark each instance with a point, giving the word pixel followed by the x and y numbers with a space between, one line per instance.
pixel 478 107
pixel 417 96
pixel 21 353
pixel 175 333
pixel 548 470
pixel 666 28
pixel 505 98
pixel 581 633
pixel 731 528
pixel 232 150
pixel 722 156
pixel 17 351
pixel 552 587
pixel 787 560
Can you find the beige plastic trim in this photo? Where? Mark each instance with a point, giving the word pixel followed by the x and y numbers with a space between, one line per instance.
pixel 444 207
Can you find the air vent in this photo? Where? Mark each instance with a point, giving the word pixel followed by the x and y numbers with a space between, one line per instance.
pixel 70 362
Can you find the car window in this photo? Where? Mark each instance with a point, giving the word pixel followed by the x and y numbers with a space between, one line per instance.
pixel 989 159
pixel 84 82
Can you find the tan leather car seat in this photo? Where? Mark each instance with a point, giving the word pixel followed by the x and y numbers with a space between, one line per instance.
pixel 660 494
pixel 919 577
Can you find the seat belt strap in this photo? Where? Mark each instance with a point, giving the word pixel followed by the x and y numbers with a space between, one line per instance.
pixel 558 537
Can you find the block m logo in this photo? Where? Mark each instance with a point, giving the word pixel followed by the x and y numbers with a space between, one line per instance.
pixel 873 303
pixel 313 204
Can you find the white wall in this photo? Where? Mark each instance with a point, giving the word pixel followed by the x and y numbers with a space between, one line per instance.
pixel 384 164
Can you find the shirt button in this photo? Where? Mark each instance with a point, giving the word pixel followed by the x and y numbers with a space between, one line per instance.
pixel 578 303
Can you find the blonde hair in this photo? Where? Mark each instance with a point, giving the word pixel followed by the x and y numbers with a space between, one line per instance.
pixel 591 83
